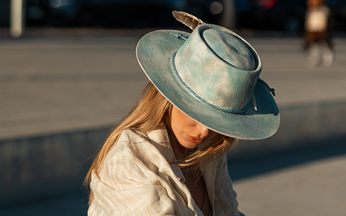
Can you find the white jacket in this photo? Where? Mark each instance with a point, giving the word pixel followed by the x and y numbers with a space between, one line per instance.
pixel 137 179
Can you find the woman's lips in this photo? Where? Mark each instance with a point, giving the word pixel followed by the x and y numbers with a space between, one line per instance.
pixel 194 139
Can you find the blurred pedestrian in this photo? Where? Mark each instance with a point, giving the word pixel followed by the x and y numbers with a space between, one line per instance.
pixel 318 34
pixel 168 155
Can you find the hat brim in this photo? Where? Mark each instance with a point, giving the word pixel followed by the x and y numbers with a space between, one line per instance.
pixel 154 53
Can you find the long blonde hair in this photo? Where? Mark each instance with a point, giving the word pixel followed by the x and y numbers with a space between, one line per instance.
pixel 146 115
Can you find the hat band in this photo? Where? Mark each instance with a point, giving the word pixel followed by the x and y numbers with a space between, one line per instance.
pixel 199 97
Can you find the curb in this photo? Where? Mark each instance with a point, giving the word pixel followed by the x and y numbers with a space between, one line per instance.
pixel 301 125
pixel 56 164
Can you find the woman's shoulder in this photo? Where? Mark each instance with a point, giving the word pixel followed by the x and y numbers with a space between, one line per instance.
pixel 133 143
pixel 131 136
pixel 127 143
pixel 134 150
pixel 125 152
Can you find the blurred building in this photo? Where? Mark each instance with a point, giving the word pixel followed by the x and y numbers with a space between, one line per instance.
pixel 285 15
pixel 280 15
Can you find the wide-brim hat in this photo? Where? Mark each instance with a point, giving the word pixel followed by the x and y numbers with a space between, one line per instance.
pixel 211 75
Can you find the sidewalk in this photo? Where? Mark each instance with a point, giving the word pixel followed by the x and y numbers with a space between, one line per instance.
pixel 61 84
pixel 312 189
pixel 51 87
pixel 308 182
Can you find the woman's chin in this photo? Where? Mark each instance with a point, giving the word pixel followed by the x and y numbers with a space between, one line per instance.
pixel 190 145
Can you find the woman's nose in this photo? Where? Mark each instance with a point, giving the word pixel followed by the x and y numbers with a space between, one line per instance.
pixel 202 130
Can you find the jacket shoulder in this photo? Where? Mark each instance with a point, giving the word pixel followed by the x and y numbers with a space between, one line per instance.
pixel 127 144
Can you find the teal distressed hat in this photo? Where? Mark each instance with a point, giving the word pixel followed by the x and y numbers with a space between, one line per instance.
pixel 211 75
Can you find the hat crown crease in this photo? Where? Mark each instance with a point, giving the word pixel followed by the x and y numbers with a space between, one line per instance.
pixel 234 51
pixel 205 66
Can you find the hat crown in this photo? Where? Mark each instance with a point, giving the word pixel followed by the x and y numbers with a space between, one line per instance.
pixel 229 48
pixel 218 67
pixel 191 71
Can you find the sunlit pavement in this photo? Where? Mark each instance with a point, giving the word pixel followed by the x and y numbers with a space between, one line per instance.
pixel 305 181
pixel 53 85
pixel 316 188
pixel 62 84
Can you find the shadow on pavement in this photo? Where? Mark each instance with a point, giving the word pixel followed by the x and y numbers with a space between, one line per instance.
pixel 255 165
pixel 71 205
pixel 239 168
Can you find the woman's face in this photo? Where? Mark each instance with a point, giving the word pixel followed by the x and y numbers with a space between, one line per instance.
pixel 188 132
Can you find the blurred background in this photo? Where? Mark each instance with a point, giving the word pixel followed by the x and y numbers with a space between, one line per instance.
pixel 68 74
pixel 280 15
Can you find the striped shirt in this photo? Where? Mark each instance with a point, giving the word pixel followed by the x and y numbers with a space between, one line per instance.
pixel 137 178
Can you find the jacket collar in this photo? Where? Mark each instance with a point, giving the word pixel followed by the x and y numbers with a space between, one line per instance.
pixel 161 140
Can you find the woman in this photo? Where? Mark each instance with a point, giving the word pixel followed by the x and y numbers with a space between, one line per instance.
pixel 318 40
pixel 167 157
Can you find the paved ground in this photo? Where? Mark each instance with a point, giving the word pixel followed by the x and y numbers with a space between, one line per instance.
pixel 303 181
pixel 49 85
pixel 313 189
pixel 52 84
